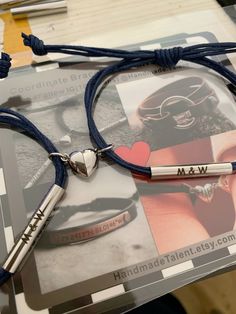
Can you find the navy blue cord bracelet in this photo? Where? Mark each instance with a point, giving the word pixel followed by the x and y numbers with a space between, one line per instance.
pixel 166 58
pixel 11 118
pixel 23 245
pixel 85 162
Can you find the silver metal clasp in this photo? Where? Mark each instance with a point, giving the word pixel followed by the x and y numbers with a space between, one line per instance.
pixel 102 150
pixel 84 162
pixel 63 156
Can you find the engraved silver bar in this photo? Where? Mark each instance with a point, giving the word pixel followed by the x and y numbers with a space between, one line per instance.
pixel 34 10
pixel 191 171
pixel 33 230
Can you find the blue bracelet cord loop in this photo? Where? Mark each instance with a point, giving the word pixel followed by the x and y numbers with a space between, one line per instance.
pixel 13 119
pixel 167 58
pixel 5 64
pixel 163 57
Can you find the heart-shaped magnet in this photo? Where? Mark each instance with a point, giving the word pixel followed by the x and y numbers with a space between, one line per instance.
pixel 84 162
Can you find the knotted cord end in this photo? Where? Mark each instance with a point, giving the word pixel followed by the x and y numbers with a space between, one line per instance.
pixel 5 64
pixel 168 58
pixel 36 44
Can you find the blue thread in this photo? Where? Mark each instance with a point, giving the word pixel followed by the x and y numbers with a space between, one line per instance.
pixel 5 64
pixel 35 43
pixel 13 119
pixel 4 276
pixel 233 165
pixel 167 58
pixel 163 57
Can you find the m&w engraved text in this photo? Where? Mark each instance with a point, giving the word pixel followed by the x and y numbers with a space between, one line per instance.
pixel 32 227
pixel 191 171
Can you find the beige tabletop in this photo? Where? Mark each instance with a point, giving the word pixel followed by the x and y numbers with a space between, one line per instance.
pixel 116 23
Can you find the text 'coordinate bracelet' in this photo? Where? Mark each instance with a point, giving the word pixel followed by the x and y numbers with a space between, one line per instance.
pixel 85 162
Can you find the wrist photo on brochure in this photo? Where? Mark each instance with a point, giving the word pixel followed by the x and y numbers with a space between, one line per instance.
pixel 115 232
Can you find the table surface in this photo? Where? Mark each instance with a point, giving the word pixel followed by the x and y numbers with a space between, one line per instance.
pixel 117 23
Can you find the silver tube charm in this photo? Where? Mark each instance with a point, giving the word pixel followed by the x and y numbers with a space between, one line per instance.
pixel 191 171
pixel 32 232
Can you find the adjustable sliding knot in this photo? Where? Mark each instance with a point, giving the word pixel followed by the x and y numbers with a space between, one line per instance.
pixel 168 58
pixel 5 64
pixel 36 44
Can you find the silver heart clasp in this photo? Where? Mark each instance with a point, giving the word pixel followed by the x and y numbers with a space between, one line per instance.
pixel 84 162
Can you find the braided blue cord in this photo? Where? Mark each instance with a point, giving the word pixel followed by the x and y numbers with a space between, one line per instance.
pixel 166 58
pixel 5 64
pixel 13 119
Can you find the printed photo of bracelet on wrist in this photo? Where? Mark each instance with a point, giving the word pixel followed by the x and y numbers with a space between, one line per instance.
pixel 184 119
pixel 103 225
